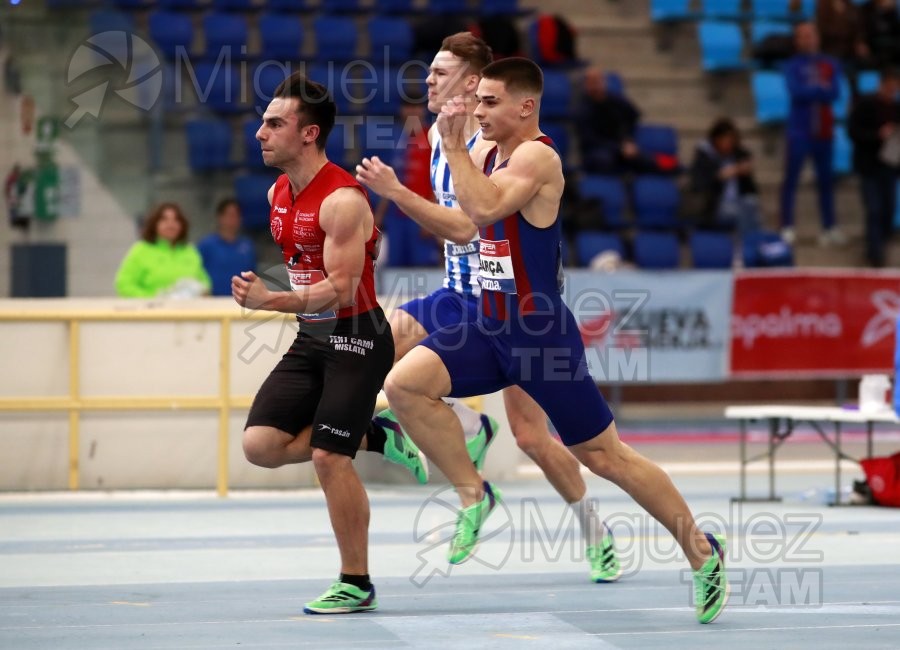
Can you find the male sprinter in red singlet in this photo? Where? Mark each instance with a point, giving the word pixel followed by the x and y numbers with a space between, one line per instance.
pixel 318 401
pixel 524 333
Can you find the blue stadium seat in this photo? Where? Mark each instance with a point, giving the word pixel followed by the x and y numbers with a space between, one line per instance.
pixel 287 6
pixel 559 133
pixel 771 10
pixel 171 31
pixel 384 90
pixel 104 20
pixel 394 6
pixel 724 9
pixel 712 250
pixel 867 82
pixel 557 100
pixel 656 202
pixel 378 136
pixel 131 5
pixel 209 144
pixel 252 151
pixel 841 106
pixel 265 79
pixel 656 250
pixel 342 144
pixel 281 37
pixel 337 38
pixel 501 8
pixel 657 139
pixel 610 192
pixel 342 6
pixel 234 5
pixel 219 86
pixel 182 5
pixel 70 4
pixel 667 11
pixel 721 46
pixel 251 192
pixel 771 96
pixel 614 84
pixel 764 248
pixel 842 163
pixel 590 243
pixel 225 34
pixel 760 29
pixel 447 6
pixel 395 34
pixel 343 86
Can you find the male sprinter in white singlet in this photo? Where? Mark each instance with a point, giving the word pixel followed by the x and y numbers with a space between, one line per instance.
pixel 456 70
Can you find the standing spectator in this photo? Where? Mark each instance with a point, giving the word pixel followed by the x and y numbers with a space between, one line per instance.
pixel 813 83
pixel 839 24
pixel 225 252
pixel 722 178
pixel 881 26
pixel 163 262
pixel 874 120
pixel 606 125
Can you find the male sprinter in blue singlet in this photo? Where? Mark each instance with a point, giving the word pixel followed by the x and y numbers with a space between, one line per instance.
pixel 525 334
pixel 456 70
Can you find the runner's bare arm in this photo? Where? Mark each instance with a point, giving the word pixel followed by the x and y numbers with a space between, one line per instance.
pixel 447 223
pixel 488 199
pixel 346 219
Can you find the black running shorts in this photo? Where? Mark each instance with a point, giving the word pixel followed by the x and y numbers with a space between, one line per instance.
pixel 329 378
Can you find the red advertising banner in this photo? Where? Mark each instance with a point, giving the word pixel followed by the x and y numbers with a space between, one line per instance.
pixel 814 323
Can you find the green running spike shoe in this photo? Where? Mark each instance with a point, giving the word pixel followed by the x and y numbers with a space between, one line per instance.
pixel 468 525
pixel 605 566
pixel 711 583
pixel 399 447
pixel 343 598
pixel 478 445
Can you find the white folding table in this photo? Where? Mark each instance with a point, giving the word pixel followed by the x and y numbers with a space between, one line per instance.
pixel 781 420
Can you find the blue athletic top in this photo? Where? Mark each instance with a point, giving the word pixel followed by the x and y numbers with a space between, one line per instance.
pixel 223 259
pixel 521 264
pixel 460 260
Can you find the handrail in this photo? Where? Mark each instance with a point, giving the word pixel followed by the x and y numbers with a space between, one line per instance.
pixel 75 404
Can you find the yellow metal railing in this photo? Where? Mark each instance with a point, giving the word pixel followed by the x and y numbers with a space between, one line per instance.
pixel 75 404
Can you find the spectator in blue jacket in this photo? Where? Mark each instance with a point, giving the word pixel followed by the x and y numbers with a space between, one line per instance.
pixel 225 252
pixel 813 81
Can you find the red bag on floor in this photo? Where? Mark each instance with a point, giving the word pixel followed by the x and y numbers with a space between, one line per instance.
pixel 883 477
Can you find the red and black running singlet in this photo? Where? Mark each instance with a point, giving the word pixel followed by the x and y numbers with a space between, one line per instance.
pixel 294 222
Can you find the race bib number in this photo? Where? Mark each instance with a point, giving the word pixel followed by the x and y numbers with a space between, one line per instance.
pixel 496 267
pixel 306 278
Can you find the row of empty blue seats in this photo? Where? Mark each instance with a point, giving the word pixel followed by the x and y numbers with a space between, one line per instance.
pixel 233 87
pixel 281 37
pixel 493 7
pixel 662 250
pixel 655 201
pixel 681 10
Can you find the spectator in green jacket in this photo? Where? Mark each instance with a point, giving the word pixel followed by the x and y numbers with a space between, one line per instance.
pixel 163 262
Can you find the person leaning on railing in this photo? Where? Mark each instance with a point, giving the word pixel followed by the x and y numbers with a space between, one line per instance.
pixel 163 262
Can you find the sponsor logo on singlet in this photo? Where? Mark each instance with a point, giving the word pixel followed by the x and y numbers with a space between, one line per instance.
pixel 276 229
pixel 280 210
pixel 459 250
pixel 496 273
